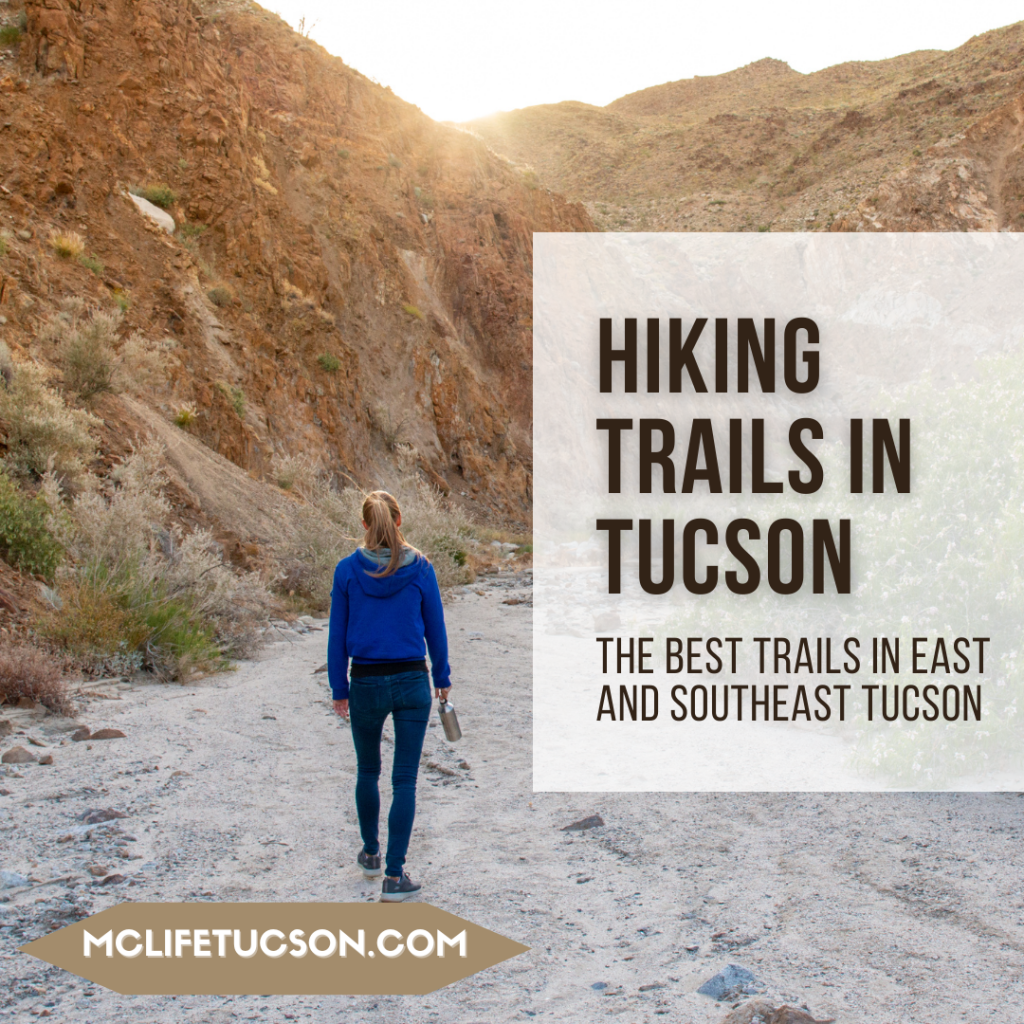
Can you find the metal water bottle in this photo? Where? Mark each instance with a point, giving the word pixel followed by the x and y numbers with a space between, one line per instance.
pixel 450 720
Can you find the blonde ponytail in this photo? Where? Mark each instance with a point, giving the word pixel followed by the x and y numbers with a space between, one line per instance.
pixel 381 514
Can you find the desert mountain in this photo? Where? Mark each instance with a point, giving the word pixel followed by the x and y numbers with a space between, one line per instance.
pixel 343 277
pixel 927 141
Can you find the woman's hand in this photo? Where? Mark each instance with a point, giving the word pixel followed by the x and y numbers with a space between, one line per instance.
pixel 441 694
pixel 341 708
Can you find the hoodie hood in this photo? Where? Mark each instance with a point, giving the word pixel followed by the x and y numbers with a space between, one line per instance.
pixel 367 562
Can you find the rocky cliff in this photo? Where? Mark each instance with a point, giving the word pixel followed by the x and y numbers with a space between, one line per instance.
pixel 346 277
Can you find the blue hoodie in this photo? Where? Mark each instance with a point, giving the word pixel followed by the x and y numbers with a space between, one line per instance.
pixel 385 618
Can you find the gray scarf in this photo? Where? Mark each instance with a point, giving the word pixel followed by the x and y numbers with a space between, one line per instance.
pixel 383 555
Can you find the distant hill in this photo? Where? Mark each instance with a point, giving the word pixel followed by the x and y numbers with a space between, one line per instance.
pixel 927 141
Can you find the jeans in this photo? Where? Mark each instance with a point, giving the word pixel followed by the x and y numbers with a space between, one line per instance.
pixel 406 697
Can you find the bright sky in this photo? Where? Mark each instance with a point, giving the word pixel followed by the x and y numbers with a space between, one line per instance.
pixel 458 59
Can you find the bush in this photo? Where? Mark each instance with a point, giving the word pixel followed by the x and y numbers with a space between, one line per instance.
pixel 117 530
pixel 94 625
pixel 86 356
pixel 301 472
pixel 27 672
pixel 39 427
pixel 329 528
pixel 10 35
pixel 25 538
pixel 67 244
pixel 414 311
pixel 329 362
pixel 86 352
pixel 190 231
pixel 92 263
pixel 236 396
pixel 3 244
pixel 143 595
pixel 186 414
pixel 6 366
pixel 141 364
pixel 390 429
pixel 220 296
pixel 159 195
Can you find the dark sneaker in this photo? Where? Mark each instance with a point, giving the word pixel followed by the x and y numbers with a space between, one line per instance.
pixel 394 890
pixel 370 863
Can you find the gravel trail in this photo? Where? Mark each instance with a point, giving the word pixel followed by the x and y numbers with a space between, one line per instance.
pixel 871 909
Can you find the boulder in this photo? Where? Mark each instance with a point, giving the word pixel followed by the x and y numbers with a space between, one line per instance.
pixel 161 218
pixel 18 755
pixel 107 734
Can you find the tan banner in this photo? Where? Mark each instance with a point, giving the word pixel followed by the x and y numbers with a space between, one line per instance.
pixel 274 948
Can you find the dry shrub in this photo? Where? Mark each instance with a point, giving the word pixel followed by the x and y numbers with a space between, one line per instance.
pixel 86 345
pixel 327 529
pixel 186 414
pixel 299 473
pixel 39 427
pixel 330 528
pixel 86 355
pixel 142 594
pixel 67 244
pixel 195 567
pixel 27 672
pixel 93 626
pixel 141 364
pixel 389 427
pixel 437 527
pixel 118 530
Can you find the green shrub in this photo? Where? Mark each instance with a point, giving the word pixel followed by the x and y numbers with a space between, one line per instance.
pixel 3 245
pixel 235 395
pixel 25 538
pixel 10 35
pixel 123 300
pixel 219 296
pixel 180 640
pixel 329 362
pixel 92 263
pixel 414 311
pixel 159 195
pixel 189 231
pixel 343 153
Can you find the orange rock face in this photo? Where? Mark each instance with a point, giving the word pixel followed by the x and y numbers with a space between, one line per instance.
pixel 339 256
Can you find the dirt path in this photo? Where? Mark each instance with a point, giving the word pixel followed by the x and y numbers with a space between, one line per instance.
pixel 896 909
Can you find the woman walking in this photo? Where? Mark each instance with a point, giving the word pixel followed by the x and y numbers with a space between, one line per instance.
pixel 384 604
